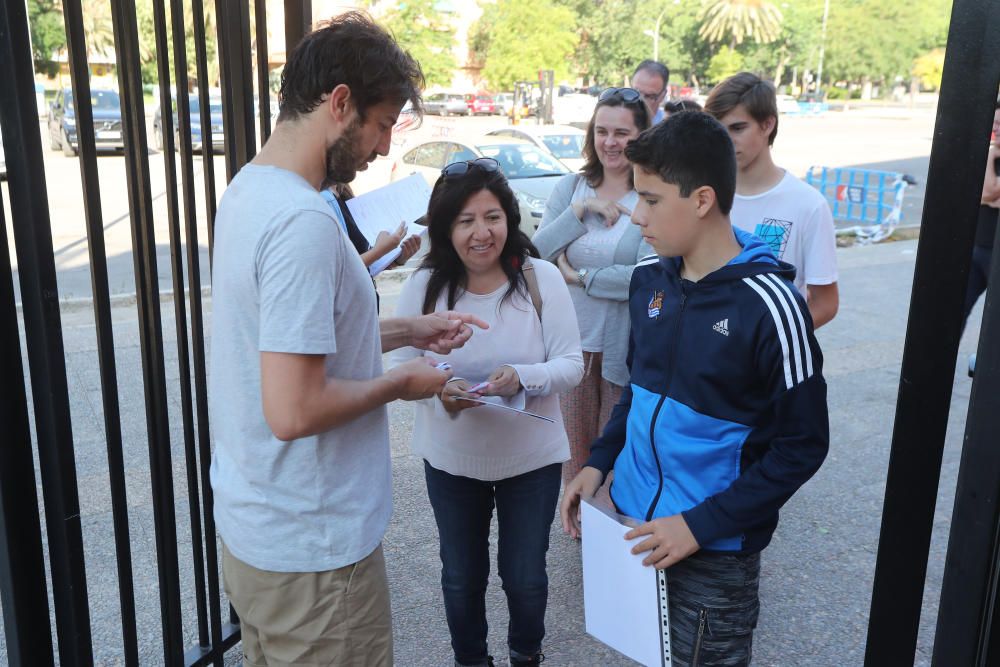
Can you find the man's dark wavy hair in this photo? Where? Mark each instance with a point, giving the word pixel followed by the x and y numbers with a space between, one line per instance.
pixel 446 268
pixel 689 150
pixel 348 49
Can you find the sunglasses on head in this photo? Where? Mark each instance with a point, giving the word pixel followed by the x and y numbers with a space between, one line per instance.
pixel 457 169
pixel 626 95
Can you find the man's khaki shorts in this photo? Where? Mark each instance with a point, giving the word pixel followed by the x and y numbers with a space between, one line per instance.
pixel 338 617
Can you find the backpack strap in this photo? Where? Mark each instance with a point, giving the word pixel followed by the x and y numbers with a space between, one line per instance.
pixel 528 271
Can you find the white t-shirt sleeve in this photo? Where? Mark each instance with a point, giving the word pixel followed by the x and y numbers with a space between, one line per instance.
pixel 298 263
pixel 819 247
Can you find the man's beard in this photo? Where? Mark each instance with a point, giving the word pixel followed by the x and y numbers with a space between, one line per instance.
pixel 341 161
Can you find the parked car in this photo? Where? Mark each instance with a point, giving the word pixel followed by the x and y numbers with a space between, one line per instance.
pixel 480 104
pixel 503 103
pixel 563 142
pixel 532 172
pixel 443 104
pixel 107 112
pixel 215 111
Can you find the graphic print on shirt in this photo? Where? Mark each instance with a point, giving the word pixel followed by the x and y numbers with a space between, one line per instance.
pixel 775 233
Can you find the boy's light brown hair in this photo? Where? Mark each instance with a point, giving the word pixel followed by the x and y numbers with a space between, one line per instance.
pixel 749 90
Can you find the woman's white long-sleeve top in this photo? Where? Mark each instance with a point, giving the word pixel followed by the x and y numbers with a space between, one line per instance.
pixel 488 443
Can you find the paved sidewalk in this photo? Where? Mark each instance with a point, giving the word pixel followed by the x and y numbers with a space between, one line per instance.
pixel 817 573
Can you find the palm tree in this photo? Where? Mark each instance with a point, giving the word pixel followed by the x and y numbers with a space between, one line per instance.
pixel 736 20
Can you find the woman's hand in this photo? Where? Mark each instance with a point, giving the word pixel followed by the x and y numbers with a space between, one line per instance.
pixel 452 394
pixel 609 211
pixel 409 248
pixel 386 242
pixel 504 382
pixel 569 274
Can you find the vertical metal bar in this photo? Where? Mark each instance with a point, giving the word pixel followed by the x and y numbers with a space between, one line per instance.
pixel 233 20
pixel 22 563
pixel 298 22
pixel 205 112
pixel 954 182
pixel 177 264
pixel 150 334
pixel 968 592
pixel 40 298
pixel 80 75
pixel 263 80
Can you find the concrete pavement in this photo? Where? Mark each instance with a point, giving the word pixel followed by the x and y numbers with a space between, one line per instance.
pixel 817 574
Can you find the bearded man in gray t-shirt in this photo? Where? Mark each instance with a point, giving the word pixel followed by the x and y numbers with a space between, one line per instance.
pixel 301 467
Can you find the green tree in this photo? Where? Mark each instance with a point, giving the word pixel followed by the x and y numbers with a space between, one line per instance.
pixel 929 68
pixel 516 38
pixel 877 41
pixel 427 35
pixel 48 34
pixel 724 64
pixel 147 42
pixel 733 21
pixel 797 45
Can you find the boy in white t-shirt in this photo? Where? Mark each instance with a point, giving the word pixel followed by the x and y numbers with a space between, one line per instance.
pixel 792 217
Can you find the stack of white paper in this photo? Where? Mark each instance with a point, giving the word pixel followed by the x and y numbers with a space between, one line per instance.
pixel 620 594
pixel 382 210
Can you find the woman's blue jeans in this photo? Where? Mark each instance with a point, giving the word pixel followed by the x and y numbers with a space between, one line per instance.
pixel 463 509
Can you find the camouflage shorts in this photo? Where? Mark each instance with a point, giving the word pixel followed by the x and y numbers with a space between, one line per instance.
pixel 713 609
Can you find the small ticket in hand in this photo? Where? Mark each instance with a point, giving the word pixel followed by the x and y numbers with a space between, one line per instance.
pixel 443 366
pixel 479 387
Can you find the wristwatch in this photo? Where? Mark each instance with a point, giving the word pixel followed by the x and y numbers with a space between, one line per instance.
pixel 581 277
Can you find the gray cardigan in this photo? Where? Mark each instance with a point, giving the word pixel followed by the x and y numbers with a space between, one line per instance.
pixel 559 228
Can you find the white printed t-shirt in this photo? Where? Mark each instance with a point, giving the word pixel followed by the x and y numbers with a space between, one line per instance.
pixel 285 278
pixel 795 220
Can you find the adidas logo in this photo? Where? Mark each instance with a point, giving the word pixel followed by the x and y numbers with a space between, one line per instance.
pixel 722 327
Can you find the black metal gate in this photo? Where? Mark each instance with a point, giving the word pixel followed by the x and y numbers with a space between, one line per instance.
pixel 24 547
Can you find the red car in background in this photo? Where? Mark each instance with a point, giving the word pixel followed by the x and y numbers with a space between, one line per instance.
pixel 480 104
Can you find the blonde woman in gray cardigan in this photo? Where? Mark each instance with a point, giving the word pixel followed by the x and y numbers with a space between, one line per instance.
pixel 587 232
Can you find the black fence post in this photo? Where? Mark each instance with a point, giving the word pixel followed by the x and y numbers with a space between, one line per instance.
pixel 965 635
pixel 233 19
pixel 150 326
pixel 43 330
pixel 298 22
pixel 954 182
pixel 22 565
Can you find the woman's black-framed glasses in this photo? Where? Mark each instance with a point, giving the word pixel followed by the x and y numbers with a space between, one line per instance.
pixel 457 169
pixel 626 95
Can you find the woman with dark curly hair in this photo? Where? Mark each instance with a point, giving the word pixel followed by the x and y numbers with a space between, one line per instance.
pixel 477 457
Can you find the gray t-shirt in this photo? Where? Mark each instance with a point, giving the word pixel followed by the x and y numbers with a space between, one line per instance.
pixel 285 278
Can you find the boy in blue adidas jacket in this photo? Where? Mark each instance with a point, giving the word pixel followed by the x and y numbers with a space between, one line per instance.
pixel 725 415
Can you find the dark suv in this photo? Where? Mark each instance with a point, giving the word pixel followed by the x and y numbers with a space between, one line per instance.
pixel 107 121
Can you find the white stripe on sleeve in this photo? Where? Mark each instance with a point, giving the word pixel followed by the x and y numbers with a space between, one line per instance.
pixel 769 302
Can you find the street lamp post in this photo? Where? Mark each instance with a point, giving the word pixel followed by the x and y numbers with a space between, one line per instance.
pixel 656 36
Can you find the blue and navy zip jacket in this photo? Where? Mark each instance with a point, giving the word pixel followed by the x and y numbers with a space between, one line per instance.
pixel 725 414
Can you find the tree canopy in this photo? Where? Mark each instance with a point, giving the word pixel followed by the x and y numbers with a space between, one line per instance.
pixel 427 35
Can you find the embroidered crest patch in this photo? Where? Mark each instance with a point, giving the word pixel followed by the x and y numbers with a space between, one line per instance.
pixel 655 304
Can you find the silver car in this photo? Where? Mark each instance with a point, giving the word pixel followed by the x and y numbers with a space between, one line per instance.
pixel 443 104
pixel 562 142
pixel 531 171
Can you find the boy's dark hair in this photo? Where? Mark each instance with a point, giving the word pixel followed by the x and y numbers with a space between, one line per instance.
pixel 756 95
pixel 654 67
pixel 447 270
pixel 592 169
pixel 349 49
pixel 677 106
pixel 689 150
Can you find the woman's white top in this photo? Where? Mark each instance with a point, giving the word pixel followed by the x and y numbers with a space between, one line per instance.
pixel 488 443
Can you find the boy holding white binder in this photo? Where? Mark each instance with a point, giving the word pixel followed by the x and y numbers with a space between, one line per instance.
pixel 725 413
